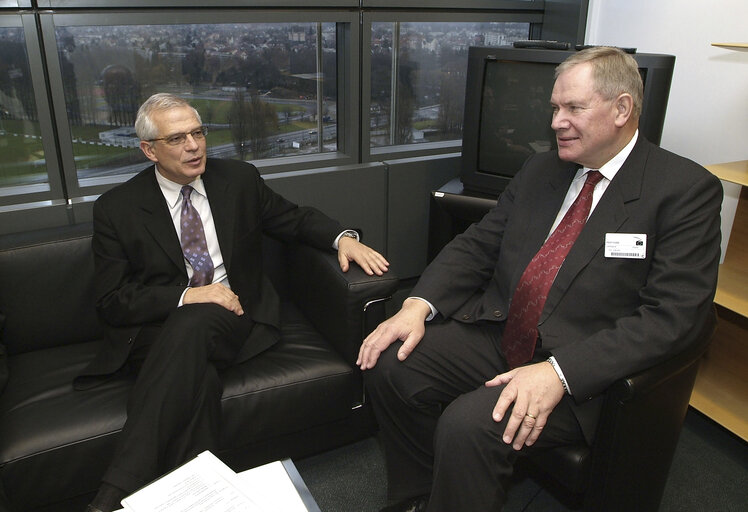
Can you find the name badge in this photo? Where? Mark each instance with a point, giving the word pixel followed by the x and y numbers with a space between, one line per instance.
pixel 626 245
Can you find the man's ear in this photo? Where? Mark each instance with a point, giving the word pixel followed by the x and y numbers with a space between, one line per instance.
pixel 624 109
pixel 147 149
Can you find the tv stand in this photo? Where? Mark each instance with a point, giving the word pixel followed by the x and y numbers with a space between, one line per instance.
pixel 452 210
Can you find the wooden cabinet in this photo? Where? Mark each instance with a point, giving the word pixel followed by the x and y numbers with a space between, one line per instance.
pixel 721 390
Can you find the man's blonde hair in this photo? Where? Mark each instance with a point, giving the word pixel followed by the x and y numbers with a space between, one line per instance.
pixel 614 71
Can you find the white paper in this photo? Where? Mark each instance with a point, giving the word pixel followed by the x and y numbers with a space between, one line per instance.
pixel 272 488
pixel 205 484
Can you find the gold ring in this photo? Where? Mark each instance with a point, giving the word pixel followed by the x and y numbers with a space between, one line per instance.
pixel 531 416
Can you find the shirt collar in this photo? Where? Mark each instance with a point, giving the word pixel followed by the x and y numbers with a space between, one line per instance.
pixel 612 166
pixel 173 191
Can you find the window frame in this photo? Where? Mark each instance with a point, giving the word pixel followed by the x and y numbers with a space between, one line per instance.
pixel 116 4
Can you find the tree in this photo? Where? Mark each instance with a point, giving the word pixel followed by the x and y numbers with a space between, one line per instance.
pixel 451 93
pixel 122 93
pixel 250 120
pixel 406 101
pixel 239 123
pixel 193 65
pixel 262 118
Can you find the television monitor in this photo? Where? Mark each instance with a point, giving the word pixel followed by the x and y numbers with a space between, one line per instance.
pixel 508 113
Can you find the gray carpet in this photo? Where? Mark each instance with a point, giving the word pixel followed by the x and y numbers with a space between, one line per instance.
pixel 709 473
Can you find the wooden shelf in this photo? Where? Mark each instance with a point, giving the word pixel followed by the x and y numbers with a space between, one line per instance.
pixel 735 172
pixel 732 289
pixel 721 388
pixel 732 284
pixel 732 46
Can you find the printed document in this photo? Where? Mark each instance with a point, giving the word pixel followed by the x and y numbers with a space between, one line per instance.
pixel 205 484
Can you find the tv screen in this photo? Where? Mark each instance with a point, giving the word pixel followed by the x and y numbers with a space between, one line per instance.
pixel 508 112
pixel 515 118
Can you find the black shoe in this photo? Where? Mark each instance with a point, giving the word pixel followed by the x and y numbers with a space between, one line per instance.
pixel 417 504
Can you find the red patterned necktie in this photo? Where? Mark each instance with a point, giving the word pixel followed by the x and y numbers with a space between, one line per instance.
pixel 194 246
pixel 521 331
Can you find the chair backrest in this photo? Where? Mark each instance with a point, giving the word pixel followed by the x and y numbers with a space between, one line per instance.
pixel 46 290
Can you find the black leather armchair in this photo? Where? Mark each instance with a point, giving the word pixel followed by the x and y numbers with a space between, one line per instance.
pixel 302 396
pixel 627 467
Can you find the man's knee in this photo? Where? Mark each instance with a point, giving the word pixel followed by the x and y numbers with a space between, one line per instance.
pixel 387 368
pixel 390 376
pixel 468 420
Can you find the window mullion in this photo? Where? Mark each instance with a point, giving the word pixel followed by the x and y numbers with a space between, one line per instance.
pixel 394 79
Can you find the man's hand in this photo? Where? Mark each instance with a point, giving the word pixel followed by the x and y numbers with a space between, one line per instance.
pixel 408 325
pixel 215 293
pixel 350 249
pixel 535 391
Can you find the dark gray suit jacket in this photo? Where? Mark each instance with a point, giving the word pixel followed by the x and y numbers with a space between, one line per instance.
pixel 140 270
pixel 604 318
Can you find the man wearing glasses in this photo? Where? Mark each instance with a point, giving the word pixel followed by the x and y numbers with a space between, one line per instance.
pixel 180 286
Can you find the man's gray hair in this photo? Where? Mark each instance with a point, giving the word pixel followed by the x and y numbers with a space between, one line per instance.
pixel 144 125
pixel 614 71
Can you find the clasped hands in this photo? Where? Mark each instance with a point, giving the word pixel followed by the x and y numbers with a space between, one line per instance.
pixel 534 390
pixel 215 293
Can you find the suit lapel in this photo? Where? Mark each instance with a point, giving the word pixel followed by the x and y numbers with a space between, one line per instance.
pixel 157 220
pixel 608 216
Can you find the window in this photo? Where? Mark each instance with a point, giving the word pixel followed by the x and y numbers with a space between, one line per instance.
pixel 424 63
pixel 289 85
pixel 24 160
pixel 264 89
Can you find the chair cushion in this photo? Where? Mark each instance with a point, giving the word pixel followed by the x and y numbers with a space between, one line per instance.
pixel 297 383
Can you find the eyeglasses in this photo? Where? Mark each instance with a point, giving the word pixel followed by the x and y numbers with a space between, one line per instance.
pixel 180 138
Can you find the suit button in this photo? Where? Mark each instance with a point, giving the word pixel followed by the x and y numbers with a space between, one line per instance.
pixel 129 340
pixel 498 314
pixel 466 317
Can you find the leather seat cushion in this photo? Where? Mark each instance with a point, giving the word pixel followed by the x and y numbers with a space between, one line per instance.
pixel 297 383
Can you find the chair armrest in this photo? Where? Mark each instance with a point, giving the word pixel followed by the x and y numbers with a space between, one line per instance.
pixel 646 381
pixel 343 306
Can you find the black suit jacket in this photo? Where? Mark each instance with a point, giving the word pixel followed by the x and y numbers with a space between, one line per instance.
pixel 140 271
pixel 604 318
